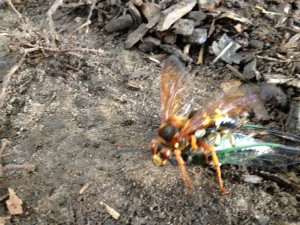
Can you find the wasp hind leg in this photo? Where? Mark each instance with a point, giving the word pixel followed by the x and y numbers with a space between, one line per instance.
pixel 196 148
pixel 215 161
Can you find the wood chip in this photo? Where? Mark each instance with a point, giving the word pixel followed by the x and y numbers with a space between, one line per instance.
pixel 140 32
pixel 3 219
pixel 84 187
pixel 118 24
pixel 174 13
pixel 111 211
pixel 14 203
pixel 136 35
pixel 234 16
pixel 172 50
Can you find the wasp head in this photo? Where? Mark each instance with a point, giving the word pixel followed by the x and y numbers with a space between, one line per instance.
pixel 160 153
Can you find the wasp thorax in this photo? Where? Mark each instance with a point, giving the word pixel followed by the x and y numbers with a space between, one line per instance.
pixel 167 132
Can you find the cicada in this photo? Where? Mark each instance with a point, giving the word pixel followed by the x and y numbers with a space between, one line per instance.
pixel 183 132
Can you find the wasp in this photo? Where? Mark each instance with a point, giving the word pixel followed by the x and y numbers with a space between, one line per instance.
pixel 182 128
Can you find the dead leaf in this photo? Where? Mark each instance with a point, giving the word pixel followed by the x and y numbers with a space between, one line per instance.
pixel 14 203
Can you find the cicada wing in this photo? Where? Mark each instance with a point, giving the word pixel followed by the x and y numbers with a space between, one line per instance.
pixel 226 104
pixel 176 89
pixel 277 133
pixel 249 151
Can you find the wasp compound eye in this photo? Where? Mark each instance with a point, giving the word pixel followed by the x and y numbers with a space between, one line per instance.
pixel 167 132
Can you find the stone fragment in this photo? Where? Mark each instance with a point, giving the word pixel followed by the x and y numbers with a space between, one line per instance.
pixel 184 27
pixel 256 44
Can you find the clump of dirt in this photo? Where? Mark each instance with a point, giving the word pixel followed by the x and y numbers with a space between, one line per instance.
pixel 70 118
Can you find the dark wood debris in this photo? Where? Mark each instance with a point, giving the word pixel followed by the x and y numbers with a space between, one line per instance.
pixel 255 41
pixel 215 31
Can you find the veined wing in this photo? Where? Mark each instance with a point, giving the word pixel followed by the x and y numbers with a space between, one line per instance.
pixel 176 89
pixel 251 152
pixel 227 104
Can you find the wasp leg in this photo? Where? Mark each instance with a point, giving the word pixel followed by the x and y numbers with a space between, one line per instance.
pixel 216 164
pixel 187 181
pixel 195 147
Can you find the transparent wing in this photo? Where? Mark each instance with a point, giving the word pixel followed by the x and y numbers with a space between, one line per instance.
pixel 251 152
pixel 176 89
pixel 231 104
pixel 284 135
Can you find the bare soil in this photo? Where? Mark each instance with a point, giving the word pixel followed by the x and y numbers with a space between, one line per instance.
pixel 71 123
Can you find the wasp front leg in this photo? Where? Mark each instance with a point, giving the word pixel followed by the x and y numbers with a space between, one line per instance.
pixel 186 179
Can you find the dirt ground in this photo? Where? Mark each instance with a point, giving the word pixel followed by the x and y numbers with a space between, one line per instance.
pixel 70 124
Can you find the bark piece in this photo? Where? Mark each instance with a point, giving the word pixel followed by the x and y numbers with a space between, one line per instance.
pixel 135 13
pixel 140 32
pixel 118 24
pixel 197 16
pixel 136 35
pixel 226 50
pixel 174 13
pixel 172 50
pixel 150 10
pixel 250 70
pixel 199 36
pixel 293 117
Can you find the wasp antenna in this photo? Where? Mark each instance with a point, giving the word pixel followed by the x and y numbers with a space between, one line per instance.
pixel 131 151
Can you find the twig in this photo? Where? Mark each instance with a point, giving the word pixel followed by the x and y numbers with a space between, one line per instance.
pixel 236 72
pixel 278 60
pixel 4 143
pixel 91 10
pixel 84 187
pixel 223 52
pixel 29 167
pixel 262 10
pixel 11 72
pixel 111 211
pixel 22 18
pixel 83 25
pixel 200 57
pixel 51 11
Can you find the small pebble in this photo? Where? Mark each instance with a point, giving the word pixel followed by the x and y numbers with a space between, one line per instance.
pixel 256 44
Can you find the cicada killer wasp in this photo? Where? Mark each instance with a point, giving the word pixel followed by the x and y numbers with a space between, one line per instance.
pixel 182 128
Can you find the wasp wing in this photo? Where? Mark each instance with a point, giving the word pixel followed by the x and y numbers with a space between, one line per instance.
pixel 176 89
pixel 227 104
